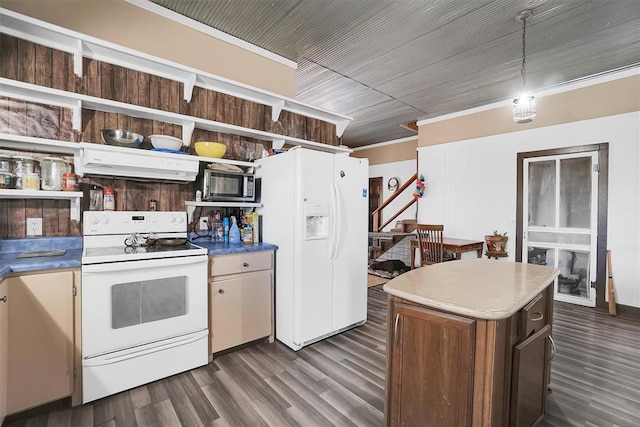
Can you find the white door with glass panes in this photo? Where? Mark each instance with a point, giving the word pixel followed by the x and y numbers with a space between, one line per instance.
pixel 560 221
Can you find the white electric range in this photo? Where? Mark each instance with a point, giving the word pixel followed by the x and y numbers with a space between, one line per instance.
pixel 144 308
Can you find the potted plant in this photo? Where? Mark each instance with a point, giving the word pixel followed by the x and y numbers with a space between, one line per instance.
pixel 496 242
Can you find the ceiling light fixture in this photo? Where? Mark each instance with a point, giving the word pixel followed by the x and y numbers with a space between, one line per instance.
pixel 524 106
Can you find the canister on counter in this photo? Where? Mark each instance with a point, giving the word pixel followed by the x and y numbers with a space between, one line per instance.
pixel 109 199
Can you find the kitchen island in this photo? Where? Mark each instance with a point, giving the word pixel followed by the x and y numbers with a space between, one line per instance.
pixel 469 343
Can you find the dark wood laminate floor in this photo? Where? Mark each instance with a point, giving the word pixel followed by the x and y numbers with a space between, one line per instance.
pixel 340 381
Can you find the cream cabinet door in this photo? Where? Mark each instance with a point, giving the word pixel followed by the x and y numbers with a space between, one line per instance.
pixel 41 341
pixel 241 309
pixel 4 318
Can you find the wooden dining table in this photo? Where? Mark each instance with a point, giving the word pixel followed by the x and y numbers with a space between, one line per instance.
pixel 455 246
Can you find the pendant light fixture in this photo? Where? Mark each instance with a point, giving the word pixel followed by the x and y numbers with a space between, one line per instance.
pixel 524 106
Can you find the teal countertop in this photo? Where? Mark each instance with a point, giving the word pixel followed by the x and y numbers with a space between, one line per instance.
pixel 10 248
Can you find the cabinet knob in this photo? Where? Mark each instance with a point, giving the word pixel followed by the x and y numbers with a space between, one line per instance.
pixel 3 299
pixel 245 264
pixel 221 291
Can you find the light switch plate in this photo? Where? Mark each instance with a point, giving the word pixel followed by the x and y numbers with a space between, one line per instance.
pixel 34 226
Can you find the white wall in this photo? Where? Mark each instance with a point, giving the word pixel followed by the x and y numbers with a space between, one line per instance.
pixel 403 171
pixel 471 187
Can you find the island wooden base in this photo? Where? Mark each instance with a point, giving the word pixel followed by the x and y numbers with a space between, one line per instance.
pixel 444 369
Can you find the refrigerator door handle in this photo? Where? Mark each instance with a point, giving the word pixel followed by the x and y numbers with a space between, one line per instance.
pixel 337 221
pixel 332 215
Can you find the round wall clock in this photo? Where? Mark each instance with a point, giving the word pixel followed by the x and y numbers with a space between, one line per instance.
pixel 392 184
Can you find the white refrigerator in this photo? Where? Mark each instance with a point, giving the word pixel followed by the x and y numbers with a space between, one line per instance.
pixel 314 208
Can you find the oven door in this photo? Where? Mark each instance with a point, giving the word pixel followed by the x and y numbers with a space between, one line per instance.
pixel 128 304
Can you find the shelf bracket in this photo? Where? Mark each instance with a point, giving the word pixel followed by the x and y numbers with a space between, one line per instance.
pixel 277 144
pixel 187 132
pixel 76 116
pixel 77 58
pixel 189 83
pixel 341 126
pixel 190 210
pixel 276 109
pixel 74 214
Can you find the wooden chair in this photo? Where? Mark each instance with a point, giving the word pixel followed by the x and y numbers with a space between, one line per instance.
pixel 430 242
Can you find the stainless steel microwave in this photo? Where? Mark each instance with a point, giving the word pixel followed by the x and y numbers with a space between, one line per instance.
pixel 226 186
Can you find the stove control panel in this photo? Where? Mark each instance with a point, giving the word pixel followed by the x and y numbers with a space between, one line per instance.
pixel 123 222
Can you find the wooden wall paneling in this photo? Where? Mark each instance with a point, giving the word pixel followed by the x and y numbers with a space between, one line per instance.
pixel 107 84
pixel 120 84
pixel 175 96
pixel 50 216
pixel 43 64
pixel 154 101
pixel 312 129
pixel 220 111
pixel 4 219
pixel 165 129
pixel 143 89
pixel 26 61
pixel 133 97
pixel 120 188
pixel 99 122
pixel 90 83
pixel 16 213
pixel 164 197
pixel 65 226
pixel 8 57
pixel 212 106
pixel 59 81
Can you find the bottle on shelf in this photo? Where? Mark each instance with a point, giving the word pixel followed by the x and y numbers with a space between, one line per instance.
pixel 234 231
pixel 247 234
pixel 218 228
pixel 225 224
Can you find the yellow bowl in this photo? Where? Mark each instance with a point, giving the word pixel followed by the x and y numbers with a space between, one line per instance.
pixel 210 149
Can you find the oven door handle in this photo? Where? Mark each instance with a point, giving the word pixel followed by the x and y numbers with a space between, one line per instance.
pixel 109 359
pixel 148 263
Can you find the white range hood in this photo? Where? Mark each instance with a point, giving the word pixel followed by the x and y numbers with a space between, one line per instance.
pixel 107 160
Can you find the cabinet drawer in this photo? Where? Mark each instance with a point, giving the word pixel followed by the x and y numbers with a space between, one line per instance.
pixel 220 265
pixel 534 316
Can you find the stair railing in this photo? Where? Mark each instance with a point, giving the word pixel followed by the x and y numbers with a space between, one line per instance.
pixel 377 213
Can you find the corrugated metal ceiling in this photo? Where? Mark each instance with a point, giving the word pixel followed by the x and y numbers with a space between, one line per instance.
pixel 389 62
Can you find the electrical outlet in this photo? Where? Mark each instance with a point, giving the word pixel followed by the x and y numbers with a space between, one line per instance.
pixel 204 223
pixel 34 226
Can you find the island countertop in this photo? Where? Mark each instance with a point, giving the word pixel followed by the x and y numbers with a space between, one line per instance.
pixel 478 288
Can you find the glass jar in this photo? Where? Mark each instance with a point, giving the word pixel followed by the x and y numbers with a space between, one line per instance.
pixel 22 165
pixel 6 179
pixel 31 181
pixel 52 170
pixel 5 163
pixel 109 203
pixel 69 181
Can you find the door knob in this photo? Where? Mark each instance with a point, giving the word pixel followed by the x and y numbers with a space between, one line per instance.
pixel 221 291
pixel 3 299
pixel 245 264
